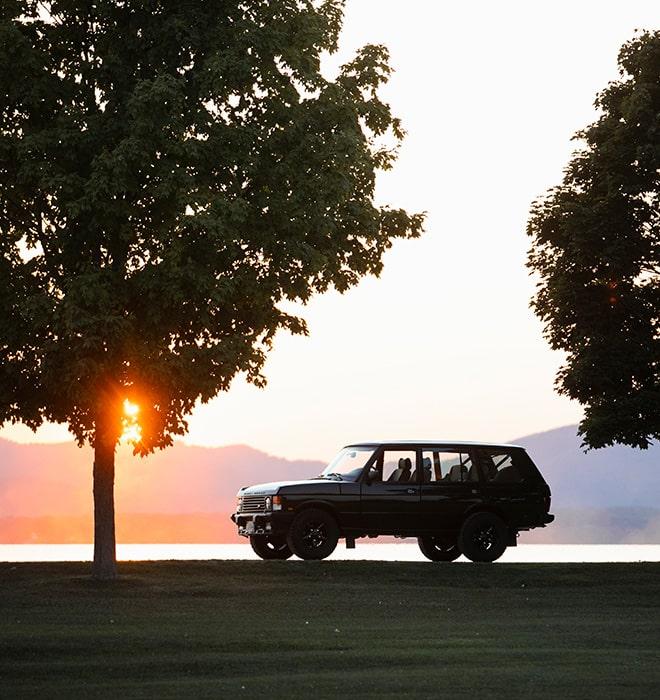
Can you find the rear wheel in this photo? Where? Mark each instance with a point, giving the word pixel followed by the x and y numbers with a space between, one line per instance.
pixel 270 547
pixel 435 549
pixel 313 534
pixel 483 537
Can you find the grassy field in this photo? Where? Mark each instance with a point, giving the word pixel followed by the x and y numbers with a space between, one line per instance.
pixel 330 629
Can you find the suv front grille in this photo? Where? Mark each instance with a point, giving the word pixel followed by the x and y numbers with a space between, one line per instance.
pixel 253 504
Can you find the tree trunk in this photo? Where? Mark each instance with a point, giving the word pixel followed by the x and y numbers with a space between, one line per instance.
pixel 105 558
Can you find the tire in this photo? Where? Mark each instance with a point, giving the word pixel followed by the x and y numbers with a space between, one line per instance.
pixel 435 549
pixel 483 537
pixel 270 547
pixel 313 534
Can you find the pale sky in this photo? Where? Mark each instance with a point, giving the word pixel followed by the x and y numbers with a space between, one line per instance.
pixel 443 345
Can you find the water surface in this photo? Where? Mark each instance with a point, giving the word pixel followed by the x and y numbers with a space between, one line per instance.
pixel 525 553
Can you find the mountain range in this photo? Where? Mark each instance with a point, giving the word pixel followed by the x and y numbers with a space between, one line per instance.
pixel 185 493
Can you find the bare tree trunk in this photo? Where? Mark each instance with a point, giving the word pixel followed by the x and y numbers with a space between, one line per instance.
pixel 105 558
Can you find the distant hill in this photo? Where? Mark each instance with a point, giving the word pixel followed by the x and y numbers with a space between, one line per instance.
pixel 601 496
pixel 185 493
pixel 56 479
pixel 612 477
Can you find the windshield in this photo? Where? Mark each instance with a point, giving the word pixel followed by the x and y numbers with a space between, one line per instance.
pixel 348 464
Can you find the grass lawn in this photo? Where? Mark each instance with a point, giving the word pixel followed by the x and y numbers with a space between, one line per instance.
pixel 331 629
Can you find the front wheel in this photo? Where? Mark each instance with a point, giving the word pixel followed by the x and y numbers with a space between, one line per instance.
pixel 435 549
pixel 483 537
pixel 270 547
pixel 313 534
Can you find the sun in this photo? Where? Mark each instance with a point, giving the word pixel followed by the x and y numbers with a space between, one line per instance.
pixel 132 432
pixel 130 409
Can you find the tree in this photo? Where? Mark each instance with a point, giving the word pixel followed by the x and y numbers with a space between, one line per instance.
pixel 171 172
pixel 596 248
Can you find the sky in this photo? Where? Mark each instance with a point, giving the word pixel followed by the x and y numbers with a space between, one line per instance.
pixel 443 345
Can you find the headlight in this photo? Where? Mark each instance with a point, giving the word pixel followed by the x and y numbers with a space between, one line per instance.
pixel 269 502
pixel 239 503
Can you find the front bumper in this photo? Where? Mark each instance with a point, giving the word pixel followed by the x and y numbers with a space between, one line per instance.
pixel 276 523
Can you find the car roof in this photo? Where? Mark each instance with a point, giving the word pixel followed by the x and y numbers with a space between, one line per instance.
pixel 431 443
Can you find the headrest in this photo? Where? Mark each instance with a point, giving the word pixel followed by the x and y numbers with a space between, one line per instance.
pixel 458 472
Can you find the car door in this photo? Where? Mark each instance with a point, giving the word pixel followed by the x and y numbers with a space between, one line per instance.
pixel 390 493
pixel 504 485
pixel 450 486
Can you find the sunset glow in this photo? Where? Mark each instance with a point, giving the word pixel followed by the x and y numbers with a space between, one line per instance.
pixel 132 431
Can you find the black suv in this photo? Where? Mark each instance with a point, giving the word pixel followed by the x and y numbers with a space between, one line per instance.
pixel 454 497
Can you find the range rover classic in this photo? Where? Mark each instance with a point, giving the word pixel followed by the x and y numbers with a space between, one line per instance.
pixel 453 497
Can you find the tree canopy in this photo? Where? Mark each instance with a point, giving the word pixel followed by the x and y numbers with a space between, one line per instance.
pixel 596 250
pixel 170 173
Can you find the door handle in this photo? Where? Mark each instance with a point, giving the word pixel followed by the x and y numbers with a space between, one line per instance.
pixel 411 491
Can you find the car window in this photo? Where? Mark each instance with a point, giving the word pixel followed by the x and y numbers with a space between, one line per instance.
pixel 348 464
pixel 499 467
pixel 447 467
pixel 395 466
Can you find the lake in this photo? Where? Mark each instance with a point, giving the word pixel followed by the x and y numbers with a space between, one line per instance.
pixel 526 553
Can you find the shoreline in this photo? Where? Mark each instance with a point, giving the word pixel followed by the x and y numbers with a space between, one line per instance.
pixel 403 552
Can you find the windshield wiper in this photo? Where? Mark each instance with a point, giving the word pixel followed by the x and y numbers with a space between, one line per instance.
pixel 333 475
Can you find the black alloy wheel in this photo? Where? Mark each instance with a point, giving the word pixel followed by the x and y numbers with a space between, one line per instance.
pixel 313 534
pixel 483 537
pixel 435 549
pixel 270 547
